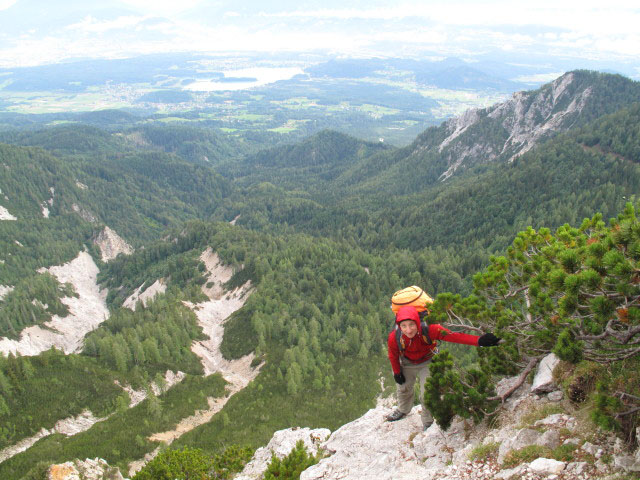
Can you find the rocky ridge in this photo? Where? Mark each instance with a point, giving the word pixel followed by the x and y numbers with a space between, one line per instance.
pixel 523 121
pixel 507 130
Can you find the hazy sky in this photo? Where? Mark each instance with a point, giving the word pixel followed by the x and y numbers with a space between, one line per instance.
pixel 34 31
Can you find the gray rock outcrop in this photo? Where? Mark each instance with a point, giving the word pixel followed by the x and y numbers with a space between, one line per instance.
pixel 375 449
pixel 96 469
pixel 547 466
pixel 543 381
pixel 111 244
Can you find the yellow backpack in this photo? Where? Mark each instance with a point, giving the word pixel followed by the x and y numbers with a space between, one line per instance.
pixel 417 297
pixel 411 296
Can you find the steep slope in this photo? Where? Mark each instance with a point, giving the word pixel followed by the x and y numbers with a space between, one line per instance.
pixel 591 169
pixel 86 310
pixel 316 317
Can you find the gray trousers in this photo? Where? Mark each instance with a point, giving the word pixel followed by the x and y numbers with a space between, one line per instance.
pixel 405 393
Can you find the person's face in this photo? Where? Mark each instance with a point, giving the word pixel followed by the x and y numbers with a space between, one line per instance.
pixel 408 328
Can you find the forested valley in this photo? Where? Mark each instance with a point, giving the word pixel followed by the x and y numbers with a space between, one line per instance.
pixel 325 230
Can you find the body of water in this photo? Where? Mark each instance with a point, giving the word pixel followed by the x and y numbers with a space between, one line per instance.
pixel 262 76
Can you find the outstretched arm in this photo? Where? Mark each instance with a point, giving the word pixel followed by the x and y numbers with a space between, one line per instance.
pixel 438 332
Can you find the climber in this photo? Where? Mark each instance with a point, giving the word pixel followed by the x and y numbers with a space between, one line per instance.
pixel 410 351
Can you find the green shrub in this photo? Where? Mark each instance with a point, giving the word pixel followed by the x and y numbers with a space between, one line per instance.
pixel 192 463
pixel 39 472
pixel 563 453
pixel 291 466
pixel 180 464
pixel 482 452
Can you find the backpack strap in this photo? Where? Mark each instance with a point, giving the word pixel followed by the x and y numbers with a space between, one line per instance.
pixel 425 332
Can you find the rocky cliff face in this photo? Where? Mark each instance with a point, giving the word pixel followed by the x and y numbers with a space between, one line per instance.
pixel 370 448
pixel 512 128
pixel 506 130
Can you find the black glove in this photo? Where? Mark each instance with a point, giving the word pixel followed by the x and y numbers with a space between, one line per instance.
pixel 399 378
pixel 488 340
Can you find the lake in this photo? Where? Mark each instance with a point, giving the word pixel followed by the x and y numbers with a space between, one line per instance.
pixel 262 76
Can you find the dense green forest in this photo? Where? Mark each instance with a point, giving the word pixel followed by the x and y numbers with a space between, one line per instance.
pixel 325 230
pixel 593 168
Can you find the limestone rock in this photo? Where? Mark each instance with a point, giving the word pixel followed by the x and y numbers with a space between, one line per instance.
pixel 618 446
pixel 96 469
pixel 527 118
pixel 4 290
pixel 572 441
pixel 511 473
pixel 574 469
pixel 435 447
pixel 547 466
pixel 371 448
pixel 281 444
pixel 159 286
pixel 555 396
pixel 5 215
pixel 590 448
pixel 543 381
pixel 628 463
pixel 85 214
pixel 516 397
pixel 86 312
pixel 550 439
pixel 63 471
pixel 523 438
pixel 557 420
pixel 601 466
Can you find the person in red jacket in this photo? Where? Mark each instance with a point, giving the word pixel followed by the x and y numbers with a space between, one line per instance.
pixel 410 360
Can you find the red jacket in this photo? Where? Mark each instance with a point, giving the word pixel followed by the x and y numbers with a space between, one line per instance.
pixel 416 349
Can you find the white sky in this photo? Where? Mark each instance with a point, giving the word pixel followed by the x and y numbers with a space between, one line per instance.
pixel 586 28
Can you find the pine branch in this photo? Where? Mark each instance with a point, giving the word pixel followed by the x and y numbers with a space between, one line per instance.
pixel 607 359
pixel 621 395
pixel 628 412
